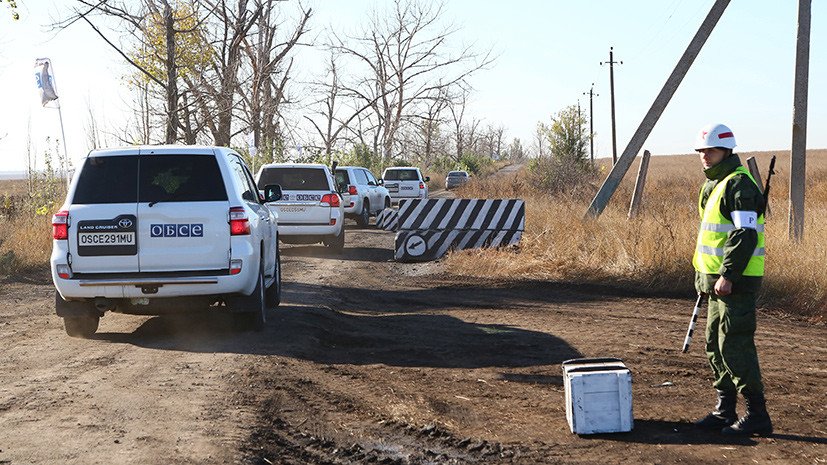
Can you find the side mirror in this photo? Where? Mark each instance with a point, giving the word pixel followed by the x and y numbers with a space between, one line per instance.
pixel 272 193
pixel 427 178
pixel 380 181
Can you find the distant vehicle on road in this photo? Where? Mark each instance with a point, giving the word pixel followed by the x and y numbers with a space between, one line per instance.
pixel 405 183
pixel 367 194
pixel 311 208
pixel 456 179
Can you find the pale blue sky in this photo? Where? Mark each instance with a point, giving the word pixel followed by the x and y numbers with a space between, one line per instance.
pixel 548 56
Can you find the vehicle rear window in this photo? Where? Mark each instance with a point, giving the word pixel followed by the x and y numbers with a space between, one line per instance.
pixel 342 177
pixel 180 178
pixel 295 179
pixel 458 174
pixel 110 179
pixel 401 175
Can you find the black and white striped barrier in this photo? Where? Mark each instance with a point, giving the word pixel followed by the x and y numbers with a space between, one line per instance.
pixel 387 219
pixel 428 228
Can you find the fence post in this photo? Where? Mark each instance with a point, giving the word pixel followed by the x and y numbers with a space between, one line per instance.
pixel 637 196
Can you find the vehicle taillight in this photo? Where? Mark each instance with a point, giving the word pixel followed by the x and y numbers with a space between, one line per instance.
pixel 352 190
pixel 235 266
pixel 330 199
pixel 60 225
pixel 422 185
pixel 239 224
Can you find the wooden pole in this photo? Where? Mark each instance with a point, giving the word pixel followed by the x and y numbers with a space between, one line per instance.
pixel 752 165
pixel 622 166
pixel 611 63
pixel 591 95
pixel 637 196
pixel 798 157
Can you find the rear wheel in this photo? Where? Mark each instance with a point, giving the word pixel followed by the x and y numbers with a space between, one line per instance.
pixel 336 243
pixel 84 326
pixel 364 217
pixel 252 314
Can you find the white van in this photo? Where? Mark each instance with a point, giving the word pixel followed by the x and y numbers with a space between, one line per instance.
pixel 368 196
pixel 311 208
pixel 156 229
pixel 405 183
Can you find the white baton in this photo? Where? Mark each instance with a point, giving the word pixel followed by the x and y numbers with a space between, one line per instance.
pixel 691 329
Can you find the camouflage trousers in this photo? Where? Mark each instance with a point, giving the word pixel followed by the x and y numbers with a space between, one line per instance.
pixel 730 343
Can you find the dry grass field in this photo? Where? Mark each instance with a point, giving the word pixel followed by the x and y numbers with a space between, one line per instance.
pixel 651 252
pixel 654 250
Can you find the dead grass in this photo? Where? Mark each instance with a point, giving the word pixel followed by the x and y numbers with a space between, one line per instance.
pixel 25 228
pixel 654 250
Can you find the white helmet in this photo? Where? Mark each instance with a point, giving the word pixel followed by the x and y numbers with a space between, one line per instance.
pixel 715 135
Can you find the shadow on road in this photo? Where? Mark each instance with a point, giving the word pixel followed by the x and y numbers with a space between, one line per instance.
pixel 350 253
pixel 367 327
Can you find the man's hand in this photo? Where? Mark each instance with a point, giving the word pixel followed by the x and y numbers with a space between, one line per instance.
pixel 723 286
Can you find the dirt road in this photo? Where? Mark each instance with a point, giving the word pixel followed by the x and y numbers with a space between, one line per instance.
pixel 371 361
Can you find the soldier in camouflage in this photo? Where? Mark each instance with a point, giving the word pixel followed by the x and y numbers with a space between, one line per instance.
pixel 729 268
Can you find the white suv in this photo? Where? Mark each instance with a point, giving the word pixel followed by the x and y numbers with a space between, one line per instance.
pixel 154 229
pixel 367 195
pixel 405 183
pixel 311 208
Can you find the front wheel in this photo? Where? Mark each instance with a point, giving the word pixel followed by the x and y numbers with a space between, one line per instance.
pixel 84 326
pixel 274 291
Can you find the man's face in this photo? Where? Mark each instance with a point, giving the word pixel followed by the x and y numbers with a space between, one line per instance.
pixel 711 156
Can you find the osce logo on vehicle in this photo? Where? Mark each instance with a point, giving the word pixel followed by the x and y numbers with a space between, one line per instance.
pixel 300 197
pixel 176 230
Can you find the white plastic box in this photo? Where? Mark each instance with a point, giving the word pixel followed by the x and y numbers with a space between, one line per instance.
pixel 598 395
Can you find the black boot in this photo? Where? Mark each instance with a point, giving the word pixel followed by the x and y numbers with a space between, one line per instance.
pixel 756 421
pixel 724 413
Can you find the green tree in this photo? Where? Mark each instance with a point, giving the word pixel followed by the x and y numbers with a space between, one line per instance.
pixel 566 167
pixel 568 136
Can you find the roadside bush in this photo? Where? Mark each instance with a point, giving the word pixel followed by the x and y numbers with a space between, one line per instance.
pixel 474 163
pixel 559 175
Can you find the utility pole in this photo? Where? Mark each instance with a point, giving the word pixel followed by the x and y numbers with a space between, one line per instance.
pixel 639 137
pixel 611 63
pixel 798 155
pixel 591 94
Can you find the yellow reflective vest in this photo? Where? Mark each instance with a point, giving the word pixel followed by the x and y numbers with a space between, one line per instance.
pixel 712 235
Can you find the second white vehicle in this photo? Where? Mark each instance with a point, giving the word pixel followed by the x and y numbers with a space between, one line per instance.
pixel 311 208
pixel 405 183
pixel 368 196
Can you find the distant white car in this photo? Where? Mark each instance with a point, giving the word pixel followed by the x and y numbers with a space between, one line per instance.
pixel 311 208
pixel 367 194
pixel 405 183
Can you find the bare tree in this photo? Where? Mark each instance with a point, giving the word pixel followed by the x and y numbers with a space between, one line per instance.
pixel 406 58
pixel 428 122
pixel 457 109
pixel 332 127
pixel 146 21
pixel 269 69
